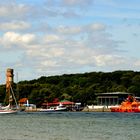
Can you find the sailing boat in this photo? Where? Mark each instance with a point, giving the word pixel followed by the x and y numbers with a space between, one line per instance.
pixel 9 109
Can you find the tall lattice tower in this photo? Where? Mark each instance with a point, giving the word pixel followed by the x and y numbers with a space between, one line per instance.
pixel 9 83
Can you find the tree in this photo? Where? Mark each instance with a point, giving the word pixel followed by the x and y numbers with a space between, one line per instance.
pixel 77 87
pixel 134 89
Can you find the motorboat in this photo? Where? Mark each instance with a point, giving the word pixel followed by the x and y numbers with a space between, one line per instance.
pixel 60 107
pixel 131 104
pixel 51 109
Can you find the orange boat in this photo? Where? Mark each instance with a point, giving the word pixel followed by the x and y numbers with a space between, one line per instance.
pixel 129 105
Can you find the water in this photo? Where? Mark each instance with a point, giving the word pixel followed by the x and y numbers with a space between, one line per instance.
pixel 70 126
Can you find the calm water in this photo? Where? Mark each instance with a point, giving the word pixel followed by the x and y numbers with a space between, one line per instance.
pixel 70 126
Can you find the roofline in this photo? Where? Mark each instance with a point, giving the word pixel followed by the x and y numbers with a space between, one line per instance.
pixel 114 93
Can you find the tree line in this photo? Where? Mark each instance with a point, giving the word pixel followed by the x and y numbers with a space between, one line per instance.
pixel 82 88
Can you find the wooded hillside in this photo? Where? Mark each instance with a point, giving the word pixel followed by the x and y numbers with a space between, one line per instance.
pixel 76 87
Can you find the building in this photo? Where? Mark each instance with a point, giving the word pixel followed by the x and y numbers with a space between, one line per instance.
pixel 113 98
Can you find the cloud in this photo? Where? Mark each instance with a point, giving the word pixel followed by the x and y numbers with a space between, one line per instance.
pixel 67 8
pixel 97 27
pixel 69 29
pixel 14 25
pixel 12 10
pixel 64 48
pixel 109 60
pixel 69 3
pixel 90 28
pixel 51 38
pixel 79 3
pixel 12 39
pixel 68 36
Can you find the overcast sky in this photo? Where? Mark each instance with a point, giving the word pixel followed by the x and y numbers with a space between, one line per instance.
pixel 54 37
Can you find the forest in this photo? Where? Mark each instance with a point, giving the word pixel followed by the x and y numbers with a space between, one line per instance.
pixel 75 87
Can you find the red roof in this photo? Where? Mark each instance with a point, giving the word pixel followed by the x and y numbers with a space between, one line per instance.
pixel 23 100
pixel 64 102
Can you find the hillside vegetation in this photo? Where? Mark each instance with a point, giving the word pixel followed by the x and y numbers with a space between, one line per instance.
pixel 76 87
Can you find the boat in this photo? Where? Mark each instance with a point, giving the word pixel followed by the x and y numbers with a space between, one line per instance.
pixel 12 106
pixel 9 111
pixel 60 107
pixel 51 109
pixel 131 104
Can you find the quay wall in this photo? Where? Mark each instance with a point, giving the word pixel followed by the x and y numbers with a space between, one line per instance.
pixel 95 108
pixel 85 109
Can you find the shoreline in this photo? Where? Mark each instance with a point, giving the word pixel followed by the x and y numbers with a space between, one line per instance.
pixel 84 110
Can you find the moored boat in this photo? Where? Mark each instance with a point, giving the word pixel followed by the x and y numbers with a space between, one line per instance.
pixel 9 111
pixel 60 107
pixel 51 109
pixel 12 106
pixel 131 104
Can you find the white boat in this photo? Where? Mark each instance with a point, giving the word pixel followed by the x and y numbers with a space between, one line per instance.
pixel 51 109
pixel 9 111
pixel 60 107
pixel 10 108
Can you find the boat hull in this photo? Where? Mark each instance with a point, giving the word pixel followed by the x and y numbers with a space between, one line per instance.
pixel 8 111
pixel 124 109
pixel 60 107
pixel 52 110
pixel 61 110
pixel 129 105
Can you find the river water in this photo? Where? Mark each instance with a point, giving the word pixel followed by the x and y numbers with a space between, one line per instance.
pixel 70 126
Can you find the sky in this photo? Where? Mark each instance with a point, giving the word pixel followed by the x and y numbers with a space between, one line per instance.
pixel 56 37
